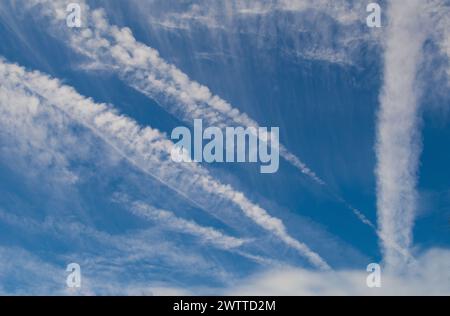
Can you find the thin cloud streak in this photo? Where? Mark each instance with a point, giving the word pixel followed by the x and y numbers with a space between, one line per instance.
pixel 169 220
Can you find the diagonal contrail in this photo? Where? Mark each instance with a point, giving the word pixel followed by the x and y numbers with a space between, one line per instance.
pixel 148 149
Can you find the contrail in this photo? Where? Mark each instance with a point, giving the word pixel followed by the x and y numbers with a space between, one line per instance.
pixel 170 220
pixel 143 69
pixel 398 145
pixel 147 148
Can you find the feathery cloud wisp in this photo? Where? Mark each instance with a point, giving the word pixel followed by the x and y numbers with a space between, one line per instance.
pixel 171 221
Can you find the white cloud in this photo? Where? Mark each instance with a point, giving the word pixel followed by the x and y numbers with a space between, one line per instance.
pixel 101 253
pixel 338 27
pixel 29 274
pixel 143 69
pixel 169 220
pixel 431 276
pixel 24 134
pixel 145 148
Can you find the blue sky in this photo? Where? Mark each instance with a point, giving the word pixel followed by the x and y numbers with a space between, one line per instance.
pixel 86 116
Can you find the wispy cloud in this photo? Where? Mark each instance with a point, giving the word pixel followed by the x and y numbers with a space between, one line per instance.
pixel 37 277
pixel 429 277
pixel 146 149
pixel 268 22
pixel 169 220
pixel 142 68
pixel 30 274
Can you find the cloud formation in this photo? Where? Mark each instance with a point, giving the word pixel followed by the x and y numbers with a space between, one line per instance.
pixel 169 220
pixel 145 148
pixel 141 67
pixel 430 276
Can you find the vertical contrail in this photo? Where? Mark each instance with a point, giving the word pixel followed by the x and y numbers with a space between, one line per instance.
pixel 398 145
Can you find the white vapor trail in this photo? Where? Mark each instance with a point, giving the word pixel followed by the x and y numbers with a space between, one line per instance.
pixel 398 145
pixel 146 148
pixel 171 221
pixel 142 68
pixel 20 113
